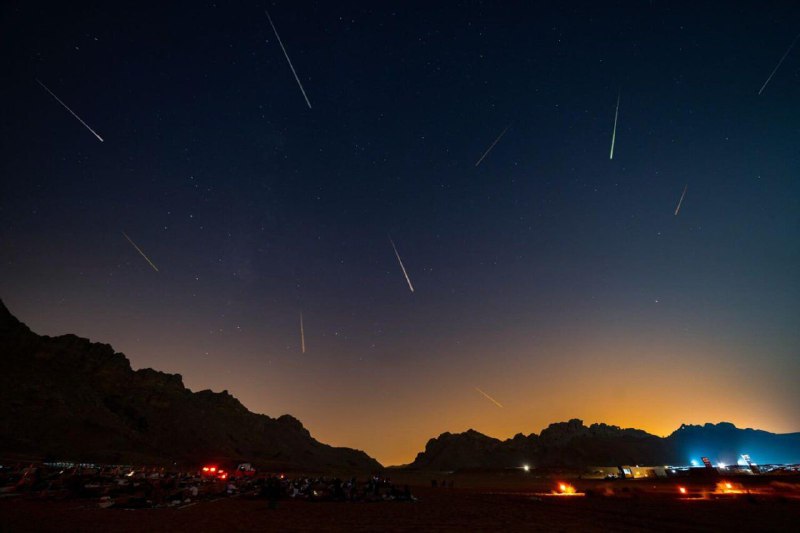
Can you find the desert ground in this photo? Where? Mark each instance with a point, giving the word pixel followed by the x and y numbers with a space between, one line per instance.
pixel 475 503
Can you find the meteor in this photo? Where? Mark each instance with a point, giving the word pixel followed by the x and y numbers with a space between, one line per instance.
pixel 302 334
pixel 677 209
pixel 498 404
pixel 492 145
pixel 287 58
pixel 140 251
pixel 403 268
pixel 70 110
pixel 614 133
pixel 778 65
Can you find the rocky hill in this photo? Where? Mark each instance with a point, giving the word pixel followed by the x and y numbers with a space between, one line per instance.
pixel 68 398
pixel 724 442
pixel 575 445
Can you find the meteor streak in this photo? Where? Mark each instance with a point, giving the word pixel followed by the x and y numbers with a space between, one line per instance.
pixel 140 251
pixel 614 133
pixel 70 110
pixel 403 268
pixel 677 209
pixel 302 335
pixel 287 58
pixel 492 146
pixel 779 64
pixel 498 404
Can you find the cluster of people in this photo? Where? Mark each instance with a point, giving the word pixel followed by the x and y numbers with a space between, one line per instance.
pixel 374 489
pixel 114 486
pixel 129 488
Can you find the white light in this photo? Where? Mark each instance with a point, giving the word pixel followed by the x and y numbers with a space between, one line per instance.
pixel 720 465
pixel 526 468
pixel 694 462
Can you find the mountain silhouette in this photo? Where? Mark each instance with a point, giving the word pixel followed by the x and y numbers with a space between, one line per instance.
pixel 574 445
pixel 66 398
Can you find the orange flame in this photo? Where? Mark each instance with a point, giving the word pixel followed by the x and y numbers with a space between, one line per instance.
pixel 565 488
pixel 726 487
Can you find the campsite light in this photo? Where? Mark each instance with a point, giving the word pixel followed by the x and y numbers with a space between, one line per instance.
pixel 728 487
pixel 566 488
pixel 562 489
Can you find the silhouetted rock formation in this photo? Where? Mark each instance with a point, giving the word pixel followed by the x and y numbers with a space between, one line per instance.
pixel 71 399
pixel 724 442
pixel 574 445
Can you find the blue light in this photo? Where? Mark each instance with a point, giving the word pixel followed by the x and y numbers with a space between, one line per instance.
pixel 694 462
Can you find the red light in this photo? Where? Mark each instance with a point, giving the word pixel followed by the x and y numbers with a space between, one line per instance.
pixel 205 469
pixel 224 476
pixel 213 469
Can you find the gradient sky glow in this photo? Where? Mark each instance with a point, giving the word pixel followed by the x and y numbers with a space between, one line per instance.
pixel 556 280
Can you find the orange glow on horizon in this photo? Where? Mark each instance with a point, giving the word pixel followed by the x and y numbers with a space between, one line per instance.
pixel 619 380
pixel 615 375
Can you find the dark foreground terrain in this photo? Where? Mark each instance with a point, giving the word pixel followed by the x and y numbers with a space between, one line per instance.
pixel 634 507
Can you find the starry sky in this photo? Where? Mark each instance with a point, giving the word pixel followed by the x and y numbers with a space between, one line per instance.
pixel 555 279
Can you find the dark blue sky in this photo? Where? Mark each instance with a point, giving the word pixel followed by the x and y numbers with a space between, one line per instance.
pixel 553 278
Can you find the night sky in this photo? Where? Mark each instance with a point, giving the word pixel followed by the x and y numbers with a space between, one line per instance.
pixel 556 280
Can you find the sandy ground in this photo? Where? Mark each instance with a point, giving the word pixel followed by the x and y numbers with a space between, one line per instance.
pixel 466 509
